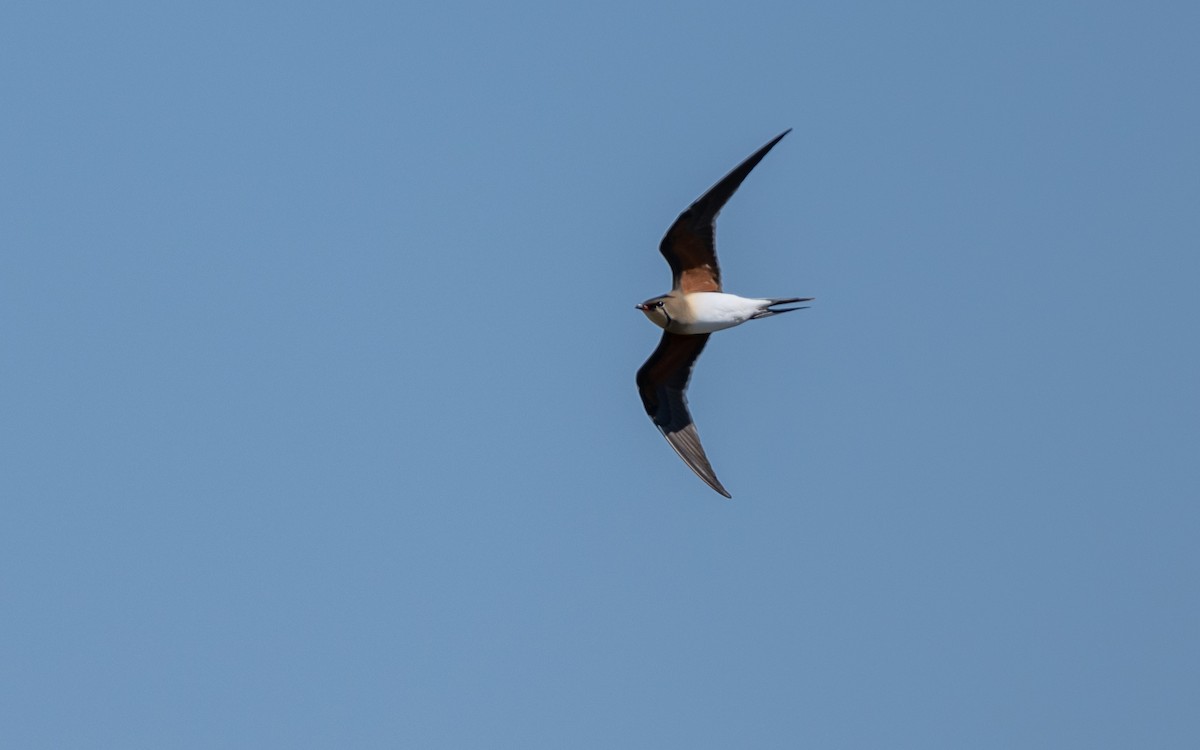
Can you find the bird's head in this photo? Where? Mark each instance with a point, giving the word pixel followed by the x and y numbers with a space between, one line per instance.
pixel 656 310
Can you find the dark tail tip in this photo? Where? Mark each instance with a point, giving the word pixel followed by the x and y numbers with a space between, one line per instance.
pixel 788 301
pixel 773 308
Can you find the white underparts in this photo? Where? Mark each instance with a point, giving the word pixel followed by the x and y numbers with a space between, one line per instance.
pixel 715 311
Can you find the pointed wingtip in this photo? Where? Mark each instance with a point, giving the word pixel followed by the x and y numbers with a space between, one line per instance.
pixel 685 441
pixel 717 487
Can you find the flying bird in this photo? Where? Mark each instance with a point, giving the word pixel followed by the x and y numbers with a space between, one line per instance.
pixel 693 309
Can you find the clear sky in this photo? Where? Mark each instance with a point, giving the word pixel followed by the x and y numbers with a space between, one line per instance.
pixel 317 408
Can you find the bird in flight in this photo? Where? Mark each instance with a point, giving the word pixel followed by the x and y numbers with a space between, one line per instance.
pixel 693 309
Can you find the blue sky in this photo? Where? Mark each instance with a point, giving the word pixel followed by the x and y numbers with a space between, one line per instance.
pixel 319 426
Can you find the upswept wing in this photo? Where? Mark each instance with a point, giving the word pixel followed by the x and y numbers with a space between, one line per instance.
pixel 689 245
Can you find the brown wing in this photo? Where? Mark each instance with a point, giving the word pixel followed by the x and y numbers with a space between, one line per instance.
pixel 689 246
pixel 662 383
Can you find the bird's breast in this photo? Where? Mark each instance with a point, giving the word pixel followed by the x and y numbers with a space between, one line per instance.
pixel 706 312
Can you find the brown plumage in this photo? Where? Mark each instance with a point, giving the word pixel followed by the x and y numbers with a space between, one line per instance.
pixel 690 250
pixel 662 383
pixel 689 245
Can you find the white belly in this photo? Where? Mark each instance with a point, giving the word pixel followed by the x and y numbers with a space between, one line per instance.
pixel 716 311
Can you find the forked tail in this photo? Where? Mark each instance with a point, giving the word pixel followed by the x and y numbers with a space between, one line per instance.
pixel 769 308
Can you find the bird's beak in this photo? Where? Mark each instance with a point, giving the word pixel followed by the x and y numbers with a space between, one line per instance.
pixel 641 307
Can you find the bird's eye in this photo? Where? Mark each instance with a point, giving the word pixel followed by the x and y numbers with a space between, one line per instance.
pixel 658 304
